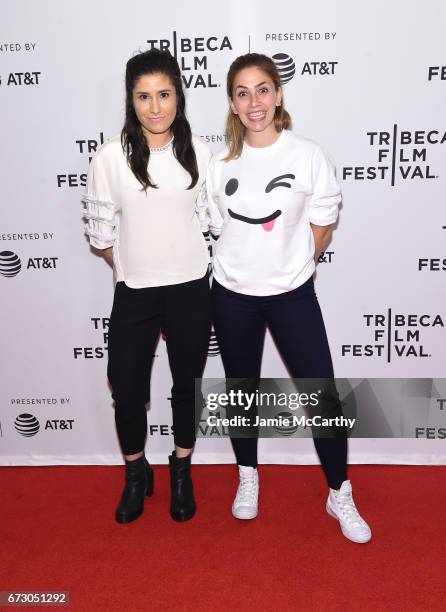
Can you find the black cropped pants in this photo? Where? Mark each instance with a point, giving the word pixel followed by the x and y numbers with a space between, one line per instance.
pixel 182 313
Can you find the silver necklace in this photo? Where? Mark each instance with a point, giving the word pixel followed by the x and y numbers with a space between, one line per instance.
pixel 163 148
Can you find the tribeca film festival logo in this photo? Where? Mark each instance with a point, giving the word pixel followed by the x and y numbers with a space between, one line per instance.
pixel 210 430
pixel 100 327
pixel 192 55
pixel 10 263
pixel 436 73
pixel 400 154
pixel 84 146
pixel 432 264
pixel 394 335
pixel 433 433
pixel 159 429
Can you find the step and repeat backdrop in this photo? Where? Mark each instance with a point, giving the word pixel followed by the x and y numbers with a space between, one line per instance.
pixel 366 80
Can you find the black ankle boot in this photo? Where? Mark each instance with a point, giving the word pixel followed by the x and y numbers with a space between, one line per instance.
pixel 182 502
pixel 138 484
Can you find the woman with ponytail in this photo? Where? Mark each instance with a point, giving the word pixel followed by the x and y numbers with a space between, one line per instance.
pixel 141 210
pixel 273 199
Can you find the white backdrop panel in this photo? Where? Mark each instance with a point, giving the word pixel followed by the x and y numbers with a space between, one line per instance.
pixel 361 88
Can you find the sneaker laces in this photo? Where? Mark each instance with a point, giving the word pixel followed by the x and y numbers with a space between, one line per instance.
pixel 247 490
pixel 348 509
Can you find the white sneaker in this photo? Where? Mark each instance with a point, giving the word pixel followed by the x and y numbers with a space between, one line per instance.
pixel 246 501
pixel 340 505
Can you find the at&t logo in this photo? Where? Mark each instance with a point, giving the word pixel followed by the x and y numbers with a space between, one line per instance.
pixel 22 78
pixel 287 67
pixel 285 425
pixel 27 425
pixel 213 349
pixel 10 264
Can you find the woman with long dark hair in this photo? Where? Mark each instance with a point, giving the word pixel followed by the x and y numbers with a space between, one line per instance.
pixel 273 199
pixel 142 212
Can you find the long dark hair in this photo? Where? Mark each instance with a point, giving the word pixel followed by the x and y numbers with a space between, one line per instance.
pixel 133 141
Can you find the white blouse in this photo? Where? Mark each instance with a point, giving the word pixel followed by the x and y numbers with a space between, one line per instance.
pixel 261 205
pixel 157 237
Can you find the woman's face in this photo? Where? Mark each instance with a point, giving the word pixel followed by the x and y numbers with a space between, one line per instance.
pixel 254 99
pixel 155 104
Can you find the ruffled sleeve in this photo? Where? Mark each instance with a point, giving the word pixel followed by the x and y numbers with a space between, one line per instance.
pixel 213 215
pixel 99 210
pixel 201 209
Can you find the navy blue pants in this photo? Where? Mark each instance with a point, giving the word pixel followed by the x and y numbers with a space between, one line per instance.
pixel 295 321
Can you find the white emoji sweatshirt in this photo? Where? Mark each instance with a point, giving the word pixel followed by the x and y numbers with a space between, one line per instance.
pixel 261 206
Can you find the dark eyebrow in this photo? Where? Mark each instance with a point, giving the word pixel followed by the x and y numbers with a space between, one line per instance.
pixel 272 184
pixel 246 87
pixel 159 91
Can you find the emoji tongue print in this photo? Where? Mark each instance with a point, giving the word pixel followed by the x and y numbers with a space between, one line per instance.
pixel 267 222
pixel 268 225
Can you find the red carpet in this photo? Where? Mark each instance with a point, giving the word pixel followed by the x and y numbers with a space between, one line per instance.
pixel 58 533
